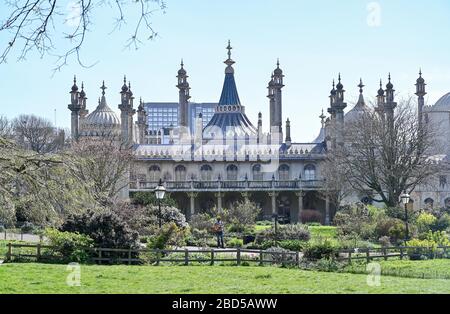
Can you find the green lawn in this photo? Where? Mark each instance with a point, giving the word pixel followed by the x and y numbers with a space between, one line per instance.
pixel 322 231
pixel 46 278
pixel 429 269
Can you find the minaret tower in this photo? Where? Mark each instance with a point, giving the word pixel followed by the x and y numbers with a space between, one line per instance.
pixel 288 133
pixel 277 91
pixel 420 92
pixel 184 96
pixel 259 128
pixel 381 99
pixel 337 106
pixel 390 104
pixel 141 122
pixel 83 111
pixel 75 108
pixel 126 112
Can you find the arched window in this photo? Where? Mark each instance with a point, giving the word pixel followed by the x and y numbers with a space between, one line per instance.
pixel 206 173
pixel 429 203
pixel 257 174
pixel 180 173
pixel 310 172
pixel 283 172
pixel 447 203
pixel 232 173
pixel 154 173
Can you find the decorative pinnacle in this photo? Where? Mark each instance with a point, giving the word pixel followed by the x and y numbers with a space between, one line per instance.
pixel 182 63
pixel 361 85
pixel 125 79
pixel 322 118
pixel 420 72
pixel 74 79
pixel 278 63
pixel 229 49
pixel 103 87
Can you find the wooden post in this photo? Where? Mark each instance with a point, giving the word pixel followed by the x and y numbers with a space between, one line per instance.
pixel 212 257
pixel 157 257
pixel 9 254
pixel 349 256
pixel 261 257
pixel 21 235
pixel 100 256
pixel 238 257
pixel 186 257
pixel 5 234
pixel 368 255
pixel 283 259
pixel 297 259
pixel 129 256
pixel 401 253
pixel 38 252
pixel 385 254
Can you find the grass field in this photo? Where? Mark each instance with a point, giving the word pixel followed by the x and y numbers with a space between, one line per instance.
pixel 46 278
pixel 322 231
pixel 429 269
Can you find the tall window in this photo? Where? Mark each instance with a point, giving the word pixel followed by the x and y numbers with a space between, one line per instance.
pixel 283 172
pixel 206 173
pixel 257 174
pixel 310 172
pixel 429 203
pixel 180 173
pixel 232 173
pixel 154 173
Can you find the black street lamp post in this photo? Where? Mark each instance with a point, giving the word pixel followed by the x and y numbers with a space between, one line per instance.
pixel 160 191
pixel 405 200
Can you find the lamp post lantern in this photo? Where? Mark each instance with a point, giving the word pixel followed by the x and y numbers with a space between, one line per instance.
pixel 160 191
pixel 405 200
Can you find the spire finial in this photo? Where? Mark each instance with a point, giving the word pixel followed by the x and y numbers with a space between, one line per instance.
pixel 74 79
pixel 82 85
pixel 229 49
pixel 322 118
pixel 339 77
pixel 420 72
pixel 182 63
pixel 361 85
pixel 389 76
pixel 278 63
pixel 103 87
pixel 124 79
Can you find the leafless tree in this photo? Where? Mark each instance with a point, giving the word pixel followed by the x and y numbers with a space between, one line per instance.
pixel 5 127
pixel 102 164
pixel 37 134
pixel 32 25
pixel 387 156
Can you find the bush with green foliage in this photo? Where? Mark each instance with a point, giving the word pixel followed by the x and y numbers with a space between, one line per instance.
pixel 105 228
pixel 285 232
pixel 72 246
pixel 241 215
pixel 320 249
pixel 169 235
pixel 149 199
pixel 425 221
pixel 235 242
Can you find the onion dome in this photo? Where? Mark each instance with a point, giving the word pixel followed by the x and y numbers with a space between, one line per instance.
pixel 124 86
pixel 443 104
pixel 82 93
pixel 420 80
pixel 103 115
pixel 339 86
pixel 381 90
pixel 278 71
pixel 74 86
pixel 389 85
pixel 182 71
pixel 130 93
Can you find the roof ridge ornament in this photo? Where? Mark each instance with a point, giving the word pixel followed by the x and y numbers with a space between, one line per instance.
pixel 229 62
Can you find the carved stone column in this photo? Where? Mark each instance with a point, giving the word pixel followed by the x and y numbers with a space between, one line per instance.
pixel 192 196
pixel 300 195
pixel 219 201
pixel 274 195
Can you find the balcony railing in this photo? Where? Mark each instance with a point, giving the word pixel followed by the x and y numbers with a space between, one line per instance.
pixel 242 185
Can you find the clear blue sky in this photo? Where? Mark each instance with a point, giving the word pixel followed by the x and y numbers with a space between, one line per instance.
pixel 313 39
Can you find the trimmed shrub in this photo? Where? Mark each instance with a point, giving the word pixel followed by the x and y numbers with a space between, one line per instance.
pixel 425 221
pixel 321 249
pixel 72 246
pixel 106 229
pixel 235 242
pixel 169 235
pixel 286 232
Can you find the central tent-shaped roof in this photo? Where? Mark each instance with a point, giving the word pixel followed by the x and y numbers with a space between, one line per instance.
pixel 229 116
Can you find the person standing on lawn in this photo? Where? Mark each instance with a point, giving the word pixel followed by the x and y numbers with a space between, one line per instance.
pixel 218 229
